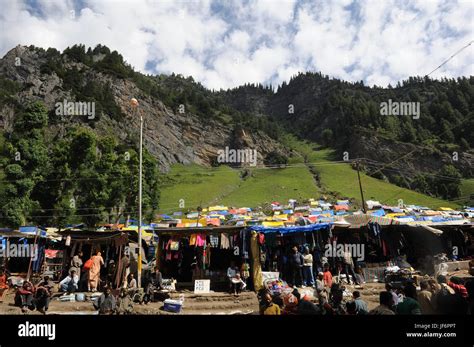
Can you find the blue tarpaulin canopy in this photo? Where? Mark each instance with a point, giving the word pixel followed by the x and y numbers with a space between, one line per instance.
pixel 379 213
pixel 32 231
pixel 290 229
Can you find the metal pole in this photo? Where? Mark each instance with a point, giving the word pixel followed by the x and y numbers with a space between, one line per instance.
pixel 28 275
pixel 361 192
pixel 139 277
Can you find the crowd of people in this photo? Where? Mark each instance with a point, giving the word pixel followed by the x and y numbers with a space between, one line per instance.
pixel 301 269
pixel 440 296
pixel 435 296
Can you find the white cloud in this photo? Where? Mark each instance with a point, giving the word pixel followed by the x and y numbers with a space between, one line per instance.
pixel 224 44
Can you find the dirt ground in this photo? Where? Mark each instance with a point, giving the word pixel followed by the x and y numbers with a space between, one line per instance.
pixel 212 303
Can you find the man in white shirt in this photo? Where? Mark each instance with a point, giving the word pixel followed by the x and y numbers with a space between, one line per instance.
pixel 70 283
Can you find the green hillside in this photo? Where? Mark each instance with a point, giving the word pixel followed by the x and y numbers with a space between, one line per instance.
pixel 267 185
pixel 467 192
pixel 208 186
pixel 196 186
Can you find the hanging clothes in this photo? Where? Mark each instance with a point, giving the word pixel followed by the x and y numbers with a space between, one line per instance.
pixel 236 241
pixel 270 240
pixel 172 249
pixel 207 257
pixel 214 241
pixel 384 248
pixel 261 239
pixel 225 243
pixel 200 239
pixel 375 231
pixel 192 240
pixel 244 238
pixel 312 245
pixel 256 267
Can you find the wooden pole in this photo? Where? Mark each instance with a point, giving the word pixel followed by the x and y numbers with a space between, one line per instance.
pixel 361 191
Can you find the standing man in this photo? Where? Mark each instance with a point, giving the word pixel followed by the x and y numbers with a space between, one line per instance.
pixel 76 264
pixel 308 268
pixel 348 267
pixel 296 262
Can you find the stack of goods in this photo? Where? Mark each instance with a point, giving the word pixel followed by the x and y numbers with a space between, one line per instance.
pixel 277 287
pixel 397 275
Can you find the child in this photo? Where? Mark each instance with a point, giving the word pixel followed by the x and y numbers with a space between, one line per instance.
pixel 327 276
pixel 245 272
pixel 237 284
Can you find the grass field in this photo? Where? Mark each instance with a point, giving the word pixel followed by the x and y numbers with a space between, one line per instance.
pixel 197 185
pixel 268 185
pixel 342 178
pixel 467 190
pixel 339 177
pixel 223 185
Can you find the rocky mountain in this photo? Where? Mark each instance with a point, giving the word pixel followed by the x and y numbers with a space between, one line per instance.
pixel 171 136
pixel 187 123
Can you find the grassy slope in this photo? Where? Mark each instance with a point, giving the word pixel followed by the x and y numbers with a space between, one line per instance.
pixel 341 178
pixel 267 185
pixel 223 185
pixel 467 189
pixel 197 186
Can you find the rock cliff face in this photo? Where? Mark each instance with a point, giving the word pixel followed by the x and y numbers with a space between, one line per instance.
pixel 171 137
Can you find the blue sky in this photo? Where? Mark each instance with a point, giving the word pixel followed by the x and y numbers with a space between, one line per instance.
pixel 227 43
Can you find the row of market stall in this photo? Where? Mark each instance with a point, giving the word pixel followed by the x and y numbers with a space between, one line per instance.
pixel 204 244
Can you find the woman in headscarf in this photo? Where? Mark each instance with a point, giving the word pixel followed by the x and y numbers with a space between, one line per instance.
pixel 94 272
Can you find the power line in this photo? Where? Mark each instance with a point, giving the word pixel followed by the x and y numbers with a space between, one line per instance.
pixel 451 57
pixel 426 174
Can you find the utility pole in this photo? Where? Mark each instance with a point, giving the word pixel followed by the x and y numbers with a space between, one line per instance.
pixel 199 209
pixel 360 187
pixel 134 103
